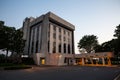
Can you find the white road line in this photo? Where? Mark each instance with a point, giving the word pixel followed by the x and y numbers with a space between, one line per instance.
pixel 118 77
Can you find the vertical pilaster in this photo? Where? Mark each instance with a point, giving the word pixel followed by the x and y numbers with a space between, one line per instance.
pixel 83 62
pixel 44 31
pixel 39 40
pixel 57 40
pixel 35 39
pixel 73 52
pixel 103 60
pixel 51 38
pixel 71 43
pixel 62 42
pixel 31 39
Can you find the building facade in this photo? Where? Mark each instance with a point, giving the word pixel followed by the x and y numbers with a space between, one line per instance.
pixel 49 39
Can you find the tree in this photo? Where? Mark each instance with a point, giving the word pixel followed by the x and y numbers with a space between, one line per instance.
pixel 11 39
pixel 88 42
pixel 117 32
pixel 6 37
pixel 117 42
pixel 19 43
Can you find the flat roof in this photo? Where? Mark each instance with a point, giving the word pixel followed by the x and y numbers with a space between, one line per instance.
pixel 55 18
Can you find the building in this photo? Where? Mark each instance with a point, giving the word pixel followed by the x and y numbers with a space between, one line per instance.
pixel 94 59
pixel 49 39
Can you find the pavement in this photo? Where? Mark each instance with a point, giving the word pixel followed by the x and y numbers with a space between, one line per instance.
pixel 62 73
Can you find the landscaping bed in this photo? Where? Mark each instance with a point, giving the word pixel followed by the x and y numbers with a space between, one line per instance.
pixel 10 66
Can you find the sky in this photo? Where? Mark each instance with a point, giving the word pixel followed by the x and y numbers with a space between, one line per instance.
pixel 90 17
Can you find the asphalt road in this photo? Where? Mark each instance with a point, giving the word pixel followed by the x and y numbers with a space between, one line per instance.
pixel 61 73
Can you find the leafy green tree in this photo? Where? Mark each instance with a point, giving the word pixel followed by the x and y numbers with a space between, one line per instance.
pixel 117 42
pixel 19 43
pixel 88 42
pixel 11 39
pixel 117 32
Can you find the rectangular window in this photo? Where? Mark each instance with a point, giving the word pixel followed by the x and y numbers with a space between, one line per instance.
pixel 64 48
pixel 54 47
pixel 59 37
pixel 69 48
pixel 60 30
pixel 64 32
pixel 68 33
pixel 54 35
pixel 36 47
pixel 48 46
pixel 64 38
pixel 54 28
pixel 59 48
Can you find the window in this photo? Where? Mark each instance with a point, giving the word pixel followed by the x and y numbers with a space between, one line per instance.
pixel 64 32
pixel 64 48
pixel 68 33
pixel 59 37
pixel 36 47
pixel 60 30
pixel 68 40
pixel 32 47
pixel 64 39
pixel 54 35
pixel 69 48
pixel 59 47
pixel 65 60
pixel 54 28
pixel 54 47
pixel 48 45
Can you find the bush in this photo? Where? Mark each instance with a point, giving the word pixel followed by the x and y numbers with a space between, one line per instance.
pixel 28 61
pixel 17 67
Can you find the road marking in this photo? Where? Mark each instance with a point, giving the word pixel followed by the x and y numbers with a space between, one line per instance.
pixel 118 77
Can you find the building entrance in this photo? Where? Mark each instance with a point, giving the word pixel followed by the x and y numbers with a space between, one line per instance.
pixel 42 61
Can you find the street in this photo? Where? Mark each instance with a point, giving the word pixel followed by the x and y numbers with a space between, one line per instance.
pixel 61 73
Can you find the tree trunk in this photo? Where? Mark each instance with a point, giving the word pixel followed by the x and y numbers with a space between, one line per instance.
pixel 6 55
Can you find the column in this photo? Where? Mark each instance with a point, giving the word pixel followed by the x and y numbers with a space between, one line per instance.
pixel 35 38
pixel 31 39
pixel 39 40
pixel 62 40
pixel 83 62
pixel 109 61
pixel 71 43
pixel 51 38
pixel 57 40
pixel 103 60
pixel 91 61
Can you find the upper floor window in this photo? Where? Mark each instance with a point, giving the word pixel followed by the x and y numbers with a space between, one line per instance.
pixel 60 30
pixel 64 32
pixel 68 33
pixel 54 28
pixel 54 47
pixel 54 35
pixel 64 38
pixel 59 37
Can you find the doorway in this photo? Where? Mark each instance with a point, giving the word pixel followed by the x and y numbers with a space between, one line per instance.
pixel 42 61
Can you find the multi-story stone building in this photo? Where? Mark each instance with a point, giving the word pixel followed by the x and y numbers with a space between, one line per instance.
pixel 49 39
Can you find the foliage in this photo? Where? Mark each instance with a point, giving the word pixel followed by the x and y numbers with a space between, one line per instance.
pixel 88 42
pixel 117 31
pixel 11 39
pixel 112 45
pixel 18 42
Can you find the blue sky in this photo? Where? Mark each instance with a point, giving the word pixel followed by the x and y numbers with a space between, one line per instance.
pixel 98 17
